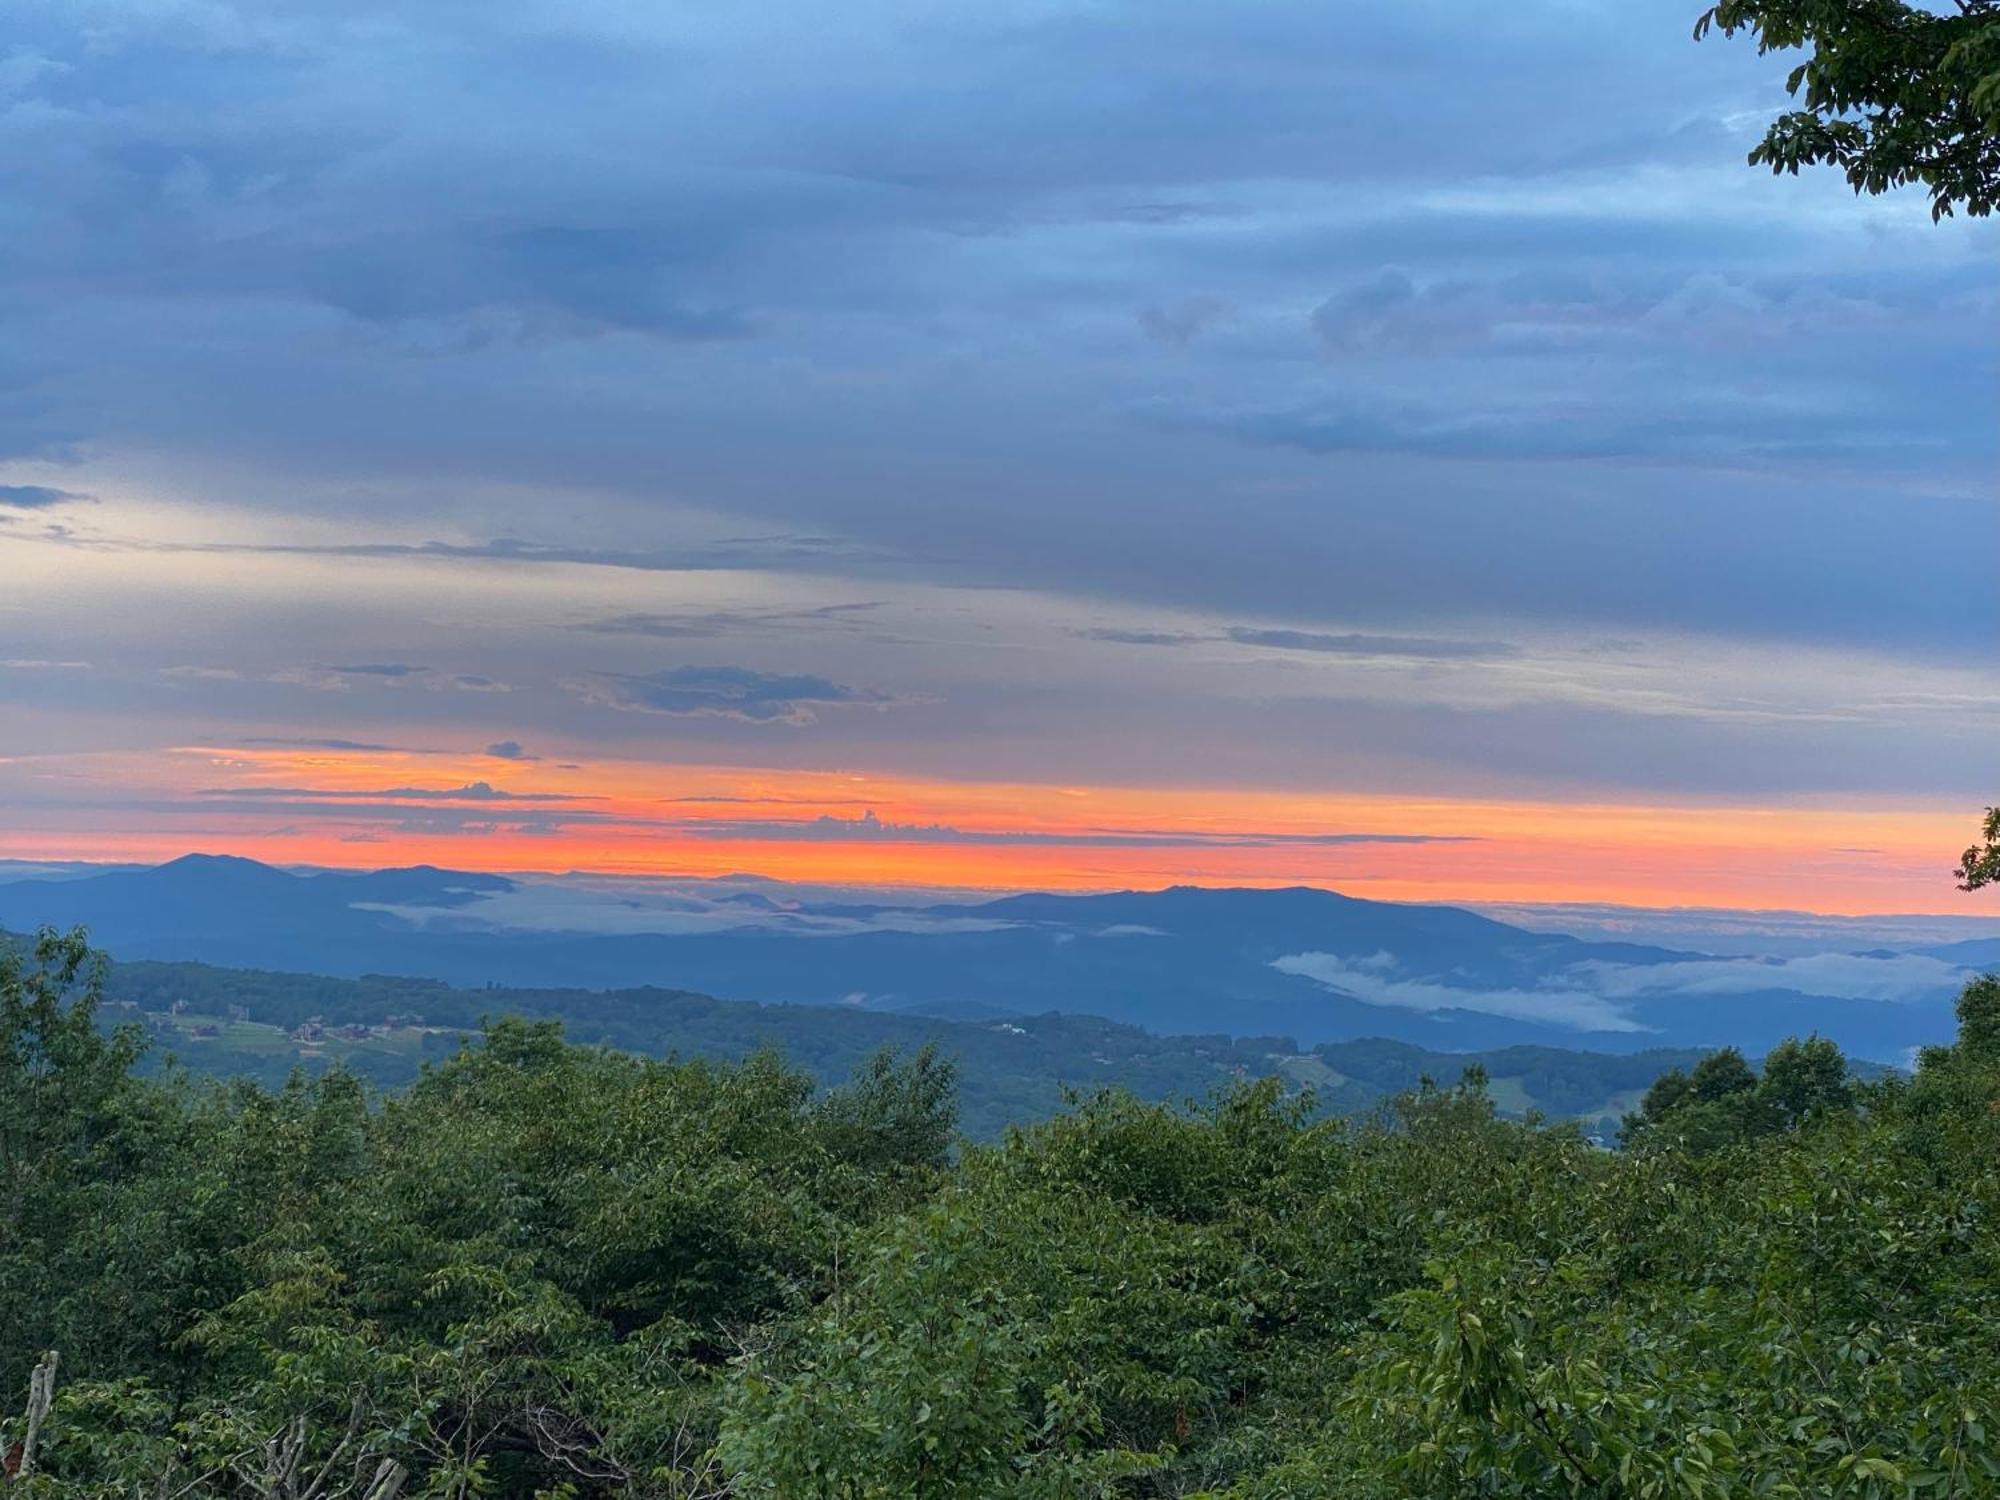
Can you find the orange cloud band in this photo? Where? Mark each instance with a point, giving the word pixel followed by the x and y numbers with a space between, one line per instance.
pixel 372 808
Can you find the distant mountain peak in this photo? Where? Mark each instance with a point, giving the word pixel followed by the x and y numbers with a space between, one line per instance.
pixel 420 884
pixel 234 865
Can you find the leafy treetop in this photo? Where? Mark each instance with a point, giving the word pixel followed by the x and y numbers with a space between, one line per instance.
pixel 1892 94
pixel 1980 865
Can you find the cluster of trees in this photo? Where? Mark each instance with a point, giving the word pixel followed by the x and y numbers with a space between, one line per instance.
pixel 1721 1100
pixel 549 1269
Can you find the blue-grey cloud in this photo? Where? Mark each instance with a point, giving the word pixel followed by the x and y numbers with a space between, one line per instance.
pixel 1177 325
pixel 724 692
pixel 395 671
pixel 1706 430
pixel 704 626
pixel 1369 313
pixel 1322 155
pixel 509 750
pixel 35 496
pixel 1548 312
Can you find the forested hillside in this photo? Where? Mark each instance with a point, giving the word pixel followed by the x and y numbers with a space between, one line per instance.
pixel 254 1024
pixel 552 1269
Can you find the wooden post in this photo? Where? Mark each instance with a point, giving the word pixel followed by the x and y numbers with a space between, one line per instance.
pixel 41 1396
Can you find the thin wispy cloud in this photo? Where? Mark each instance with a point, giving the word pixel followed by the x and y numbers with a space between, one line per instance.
pixel 291 742
pixel 710 624
pixel 1353 643
pixel 868 828
pixel 394 671
pixel 729 554
pixel 474 791
pixel 387 674
pixel 1323 643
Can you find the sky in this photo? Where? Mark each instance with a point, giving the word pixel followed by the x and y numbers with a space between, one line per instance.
pixel 1050 443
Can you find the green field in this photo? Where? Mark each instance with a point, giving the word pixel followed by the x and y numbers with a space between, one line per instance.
pixel 175 1036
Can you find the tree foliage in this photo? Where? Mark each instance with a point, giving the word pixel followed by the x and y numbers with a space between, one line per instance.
pixel 1979 866
pixel 1890 93
pixel 550 1269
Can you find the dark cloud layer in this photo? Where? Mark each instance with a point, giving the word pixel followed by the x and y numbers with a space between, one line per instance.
pixel 724 692
pixel 1418 333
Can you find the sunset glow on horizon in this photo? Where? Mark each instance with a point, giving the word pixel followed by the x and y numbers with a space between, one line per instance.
pixel 368 809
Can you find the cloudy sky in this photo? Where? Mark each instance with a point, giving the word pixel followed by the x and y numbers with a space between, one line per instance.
pixel 1050 442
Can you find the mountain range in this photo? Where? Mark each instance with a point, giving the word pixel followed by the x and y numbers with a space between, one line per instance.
pixel 1309 964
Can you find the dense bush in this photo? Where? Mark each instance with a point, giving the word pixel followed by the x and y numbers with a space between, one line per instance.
pixel 551 1269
